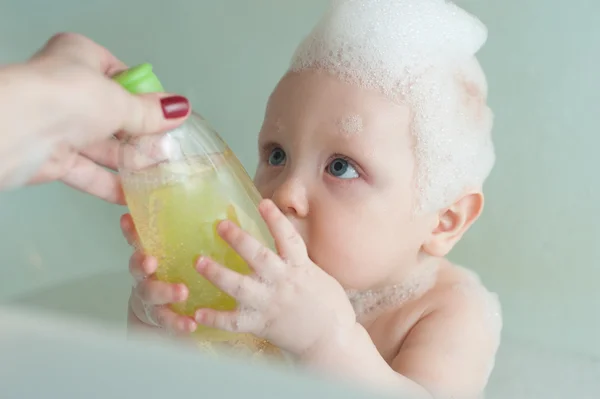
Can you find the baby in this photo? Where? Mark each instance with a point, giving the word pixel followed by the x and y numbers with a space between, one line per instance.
pixel 373 152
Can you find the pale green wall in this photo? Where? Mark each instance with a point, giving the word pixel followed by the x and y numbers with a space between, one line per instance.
pixel 538 240
pixel 535 244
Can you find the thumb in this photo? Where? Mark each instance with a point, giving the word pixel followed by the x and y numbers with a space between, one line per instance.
pixel 152 113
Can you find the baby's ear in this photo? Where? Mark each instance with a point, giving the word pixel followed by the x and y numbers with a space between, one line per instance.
pixel 452 223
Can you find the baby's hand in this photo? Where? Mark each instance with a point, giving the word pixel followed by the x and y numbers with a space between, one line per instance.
pixel 288 300
pixel 150 298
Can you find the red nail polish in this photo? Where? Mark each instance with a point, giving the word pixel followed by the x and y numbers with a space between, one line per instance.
pixel 175 107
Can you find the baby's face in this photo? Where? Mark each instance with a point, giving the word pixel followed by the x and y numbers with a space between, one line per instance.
pixel 337 160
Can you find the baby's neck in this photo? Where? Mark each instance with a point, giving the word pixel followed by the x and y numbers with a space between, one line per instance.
pixel 413 284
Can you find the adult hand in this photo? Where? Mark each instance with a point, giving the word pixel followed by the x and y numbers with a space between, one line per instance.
pixel 60 110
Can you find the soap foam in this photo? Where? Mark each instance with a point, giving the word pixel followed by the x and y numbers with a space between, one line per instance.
pixel 371 303
pixel 473 288
pixel 489 305
pixel 351 125
pixel 248 319
pixel 420 53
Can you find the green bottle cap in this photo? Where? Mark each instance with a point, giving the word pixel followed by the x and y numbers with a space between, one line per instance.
pixel 139 79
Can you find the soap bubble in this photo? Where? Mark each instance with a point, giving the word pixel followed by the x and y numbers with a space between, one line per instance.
pixel 420 53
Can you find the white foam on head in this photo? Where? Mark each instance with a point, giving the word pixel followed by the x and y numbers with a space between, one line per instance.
pixel 421 53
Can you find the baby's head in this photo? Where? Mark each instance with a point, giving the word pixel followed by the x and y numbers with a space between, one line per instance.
pixel 377 141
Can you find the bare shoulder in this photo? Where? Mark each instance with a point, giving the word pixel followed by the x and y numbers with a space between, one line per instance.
pixel 458 293
pixel 464 292
pixel 456 336
pixel 459 300
pixel 458 286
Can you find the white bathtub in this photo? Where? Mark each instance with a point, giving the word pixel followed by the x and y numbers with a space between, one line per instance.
pixel 523 370
pixel 528 371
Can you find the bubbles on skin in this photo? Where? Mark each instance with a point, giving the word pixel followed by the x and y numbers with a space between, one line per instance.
pixel 371 303
pixel 490 305
pixel 420 53
pixel 267 293
pixel 248 318
pixel 473 288
pixel 351 125
pixel 279 128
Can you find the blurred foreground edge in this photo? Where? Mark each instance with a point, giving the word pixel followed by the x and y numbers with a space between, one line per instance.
pixel 47 356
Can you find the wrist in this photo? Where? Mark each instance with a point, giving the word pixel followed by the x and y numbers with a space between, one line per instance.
pixel 337 345
pixel 353 356
pixel 21 86
pixel 24 96
pixel 30 97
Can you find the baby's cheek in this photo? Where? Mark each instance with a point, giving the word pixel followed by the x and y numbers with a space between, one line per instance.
pixel 343 257
pixel 261 182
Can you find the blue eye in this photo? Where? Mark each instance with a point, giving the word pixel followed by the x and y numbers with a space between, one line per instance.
pixel 277 157
pixel 340 168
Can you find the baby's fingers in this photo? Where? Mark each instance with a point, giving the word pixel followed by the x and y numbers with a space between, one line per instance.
pixel 154 292
pixel 164 317
pixel 141 266
pixel 128 230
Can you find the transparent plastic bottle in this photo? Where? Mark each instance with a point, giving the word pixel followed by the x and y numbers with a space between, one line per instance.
pixel 178 186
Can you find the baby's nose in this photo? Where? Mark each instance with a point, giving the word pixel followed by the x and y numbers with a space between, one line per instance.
pixel 290 198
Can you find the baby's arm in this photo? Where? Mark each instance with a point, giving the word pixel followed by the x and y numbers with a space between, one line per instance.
pixel 449 353
pixel 451 350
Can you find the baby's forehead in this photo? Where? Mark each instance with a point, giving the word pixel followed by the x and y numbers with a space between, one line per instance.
pixel 350 130
pixel 315 96
pixel 350 125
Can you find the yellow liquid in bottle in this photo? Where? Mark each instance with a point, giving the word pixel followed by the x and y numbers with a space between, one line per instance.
pixel 176 208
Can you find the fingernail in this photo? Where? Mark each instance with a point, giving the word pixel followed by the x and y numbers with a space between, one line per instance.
pixel 199 316
pixel 191 327
pixel 266 205
pixel 186 326
pixel 175 107
pixel 201 263
pixel 181 292
pixel 223 225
